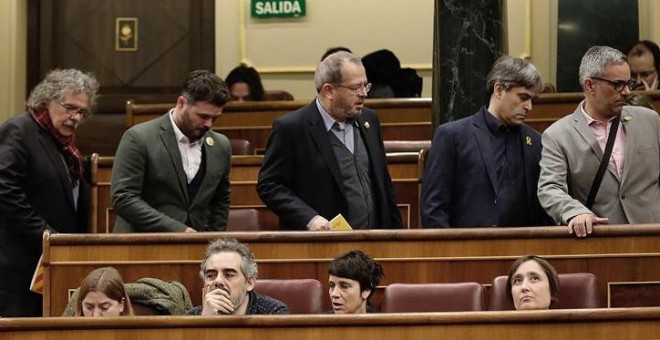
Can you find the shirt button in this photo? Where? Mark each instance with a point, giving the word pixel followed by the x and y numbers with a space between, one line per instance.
pixel 623 197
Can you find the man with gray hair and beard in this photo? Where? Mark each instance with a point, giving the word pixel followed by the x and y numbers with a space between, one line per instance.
pixel 328 158
pixel 42 186
pixel 482 170
pixel 628 190
pixel 229 272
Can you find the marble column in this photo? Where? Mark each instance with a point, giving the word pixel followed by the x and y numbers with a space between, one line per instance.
pixel 467 41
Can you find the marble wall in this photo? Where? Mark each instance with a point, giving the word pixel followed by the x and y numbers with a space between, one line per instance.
pixel 467 42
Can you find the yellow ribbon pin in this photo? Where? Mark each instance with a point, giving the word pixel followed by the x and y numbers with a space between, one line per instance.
pixel 367 125
pixel 209 141
pixel 626 118
pixel 528 140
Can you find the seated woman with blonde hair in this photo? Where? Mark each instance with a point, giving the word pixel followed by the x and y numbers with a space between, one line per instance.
pixel 102 293
pixel 532 284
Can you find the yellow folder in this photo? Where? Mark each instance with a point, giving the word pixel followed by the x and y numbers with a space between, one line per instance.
pixel 339 223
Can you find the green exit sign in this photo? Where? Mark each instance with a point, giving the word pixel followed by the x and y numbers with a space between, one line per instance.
pixel 266 9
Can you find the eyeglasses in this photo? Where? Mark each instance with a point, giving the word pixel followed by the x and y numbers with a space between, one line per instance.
pixel 618 85
pixel 357 89
pixel 72 110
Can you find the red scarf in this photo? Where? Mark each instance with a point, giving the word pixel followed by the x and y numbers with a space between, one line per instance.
pixel 66 145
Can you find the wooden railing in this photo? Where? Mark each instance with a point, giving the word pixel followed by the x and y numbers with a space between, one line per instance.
pixel 633 323
pixel 401 118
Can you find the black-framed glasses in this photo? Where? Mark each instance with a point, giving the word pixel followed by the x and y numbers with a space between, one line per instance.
pixel 618 85
pixel 357 89
pixel 72 110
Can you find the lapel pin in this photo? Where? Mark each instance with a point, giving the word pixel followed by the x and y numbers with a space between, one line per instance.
pixel 626 118
pixel 367 125
pixel 528 140
pixel 209 141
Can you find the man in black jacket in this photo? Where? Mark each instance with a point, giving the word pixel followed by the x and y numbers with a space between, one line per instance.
pixel 41 182
pixel 327 158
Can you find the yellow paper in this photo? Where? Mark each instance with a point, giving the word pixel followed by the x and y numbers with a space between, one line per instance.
pixel 339 223
pixel 37 284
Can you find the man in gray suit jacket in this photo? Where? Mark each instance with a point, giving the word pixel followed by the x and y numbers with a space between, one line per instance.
pixel 573 148
pixel 172 173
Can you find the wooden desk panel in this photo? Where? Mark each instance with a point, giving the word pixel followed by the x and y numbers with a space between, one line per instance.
pixel 405 168
pixel 614 254
pixel 249 114
pixel 252 121
pixel 635 323
pixel 401 118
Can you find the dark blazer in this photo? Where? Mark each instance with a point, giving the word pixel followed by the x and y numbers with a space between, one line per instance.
pixel 459 188
pixel 35 195
pixel 300 176
pixel 149 185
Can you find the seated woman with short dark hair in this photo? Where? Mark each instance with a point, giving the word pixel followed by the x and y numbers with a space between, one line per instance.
pixel 102 293
pixel 532 283
pixel 352 281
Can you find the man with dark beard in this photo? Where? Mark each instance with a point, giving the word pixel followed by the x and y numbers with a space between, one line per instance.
pixel 327 158
pixel 41 181
pixel 172 173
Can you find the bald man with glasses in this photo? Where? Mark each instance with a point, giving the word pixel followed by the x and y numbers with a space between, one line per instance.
pixel 327 158
pixel 574 146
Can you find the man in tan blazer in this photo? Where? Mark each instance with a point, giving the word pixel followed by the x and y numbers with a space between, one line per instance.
pixel 573 148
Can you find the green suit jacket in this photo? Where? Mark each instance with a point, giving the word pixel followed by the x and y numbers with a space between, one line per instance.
pixel 149 186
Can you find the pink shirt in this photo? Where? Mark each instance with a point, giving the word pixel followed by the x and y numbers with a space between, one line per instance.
pixel 601 131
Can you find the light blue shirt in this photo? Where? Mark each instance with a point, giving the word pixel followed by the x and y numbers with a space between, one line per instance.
pixel 343 131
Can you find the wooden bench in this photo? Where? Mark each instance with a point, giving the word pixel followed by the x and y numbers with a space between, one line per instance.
pixel 614 253
pixel 254 119
pixel 401 118
pixel 634 323
pixel 406 169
